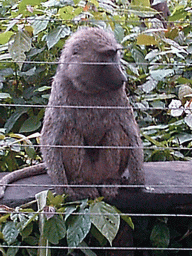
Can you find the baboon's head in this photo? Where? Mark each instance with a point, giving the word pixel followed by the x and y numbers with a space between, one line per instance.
pixel 93 45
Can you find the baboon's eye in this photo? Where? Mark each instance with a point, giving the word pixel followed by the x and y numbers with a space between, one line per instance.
pixel 111 52
pixel 75 51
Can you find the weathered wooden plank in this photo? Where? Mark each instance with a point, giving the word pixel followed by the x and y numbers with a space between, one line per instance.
pixel 176 173
pixel 174 192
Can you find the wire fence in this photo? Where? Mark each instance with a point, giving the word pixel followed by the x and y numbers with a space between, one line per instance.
pixel 45 186
pixel 98 248
pixel 178 64
pixel 32 19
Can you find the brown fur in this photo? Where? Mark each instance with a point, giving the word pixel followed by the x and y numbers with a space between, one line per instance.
pixel 90 85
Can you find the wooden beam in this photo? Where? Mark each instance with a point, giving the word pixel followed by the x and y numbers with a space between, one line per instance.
pixel 173 192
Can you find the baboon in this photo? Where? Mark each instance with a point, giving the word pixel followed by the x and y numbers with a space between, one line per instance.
pixel 162 8
pixel 80 81
pixel 71 135
pixel 78 84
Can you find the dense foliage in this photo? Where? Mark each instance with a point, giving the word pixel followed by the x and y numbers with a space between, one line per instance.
pixel 58 227
pixel 58 223
pixel 157 62
pixel 157 58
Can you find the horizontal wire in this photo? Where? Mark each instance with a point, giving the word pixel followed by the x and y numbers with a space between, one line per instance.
pixel 98 63
pixel 13 144
pixel 59 62
pixel 95 248
pixel 90 21
pixel 148 187
pixel 99 214
pixel 93 107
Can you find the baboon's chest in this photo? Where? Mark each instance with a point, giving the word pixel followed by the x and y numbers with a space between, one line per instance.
pixel 94 125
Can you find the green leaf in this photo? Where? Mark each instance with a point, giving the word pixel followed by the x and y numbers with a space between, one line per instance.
pixel 32 252
pixel 4 95
pixel 13 22
pixel 6 72
pixel 160 236
pixel 27 231
pixel 22 220
pixel 142 11
pixel 13 143
pixel 188 120
pixel 3 252
pixel 4 37
pixel 183 80
pixel 55 201
pixel 149 85
pixel 95 2
pixel 178 13
pixel 69 210
pixel 131 67
pixel 14 117
pixel 119 32
pixel 30 72
pixel 54 229
pixel 160 74
pixel 146 40
pixel 41 198
pixel 54 36
pixel 106 219
pixel 141 2
pixel 139 57
pixel 152 55
pixel 10 232
pixel 158 2
pixel 13 251
pixel 153 141
pixel 31 240
pixel 175 46
pixel 50 197
pixel 1 235
pixel 4 218
pixel 23 4
pixel 19 44
pixel 66 13
pixel 100 238
pixel 107 5
pixel 78 227
pixel 31 124
pixel 184 137
pixel 87 251
pixel 31 2
pixel 40 24
pixel 43 88
pixel 30 151
pixel 128 220
pixel 58 4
